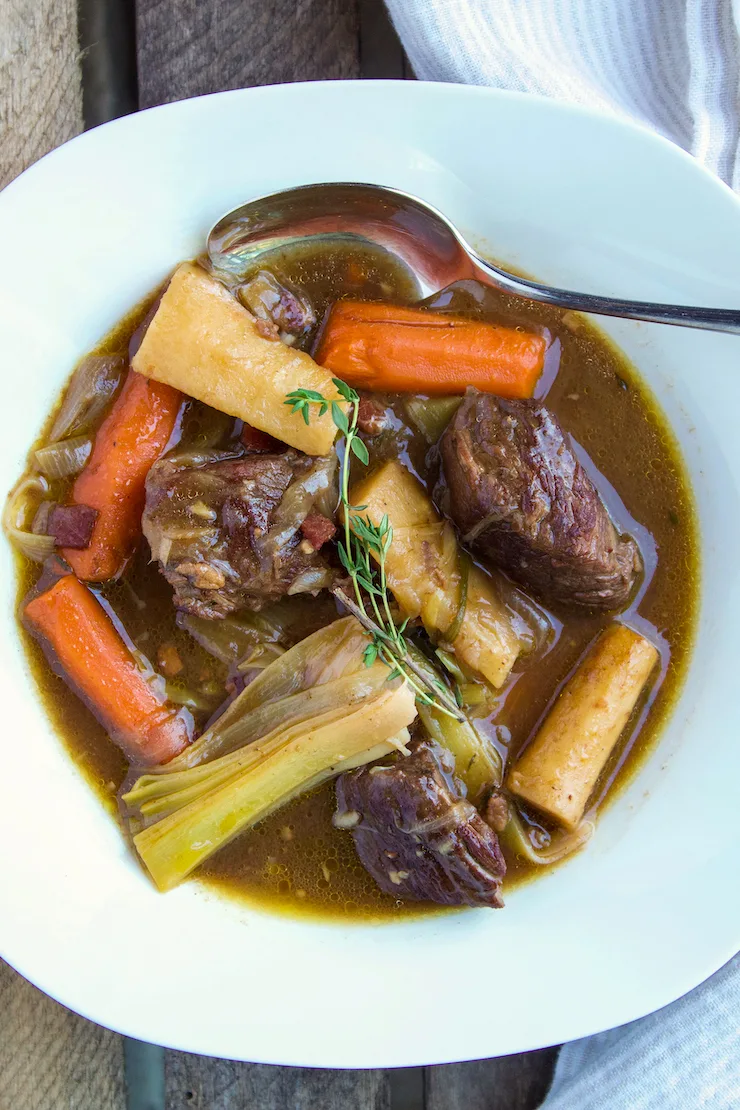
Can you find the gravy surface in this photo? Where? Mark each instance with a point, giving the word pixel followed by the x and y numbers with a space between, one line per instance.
pixel 295 861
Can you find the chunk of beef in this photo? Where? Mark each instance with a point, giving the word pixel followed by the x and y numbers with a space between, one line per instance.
pixel 227 532
pixel 71 525
pixel 417 834
pixel 513 485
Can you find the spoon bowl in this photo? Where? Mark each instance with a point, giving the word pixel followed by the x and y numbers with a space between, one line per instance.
pixel 420 237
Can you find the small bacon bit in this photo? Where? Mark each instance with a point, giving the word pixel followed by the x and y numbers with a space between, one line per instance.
pixel 259 443
pixel 372 416
pixel 72 525
pixel 318 529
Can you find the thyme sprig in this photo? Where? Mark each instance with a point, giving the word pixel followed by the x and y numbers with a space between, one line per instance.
pixel 362 553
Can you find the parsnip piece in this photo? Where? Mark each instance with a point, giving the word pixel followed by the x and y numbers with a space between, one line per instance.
pixel 425 573
pixel 559 769
pixel 203 342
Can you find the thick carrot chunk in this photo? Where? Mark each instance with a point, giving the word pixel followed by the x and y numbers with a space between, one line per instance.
pixel 71 623
pixel 130 439
pixel 386 348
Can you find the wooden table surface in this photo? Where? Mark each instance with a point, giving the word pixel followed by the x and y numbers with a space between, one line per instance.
pixel 137 53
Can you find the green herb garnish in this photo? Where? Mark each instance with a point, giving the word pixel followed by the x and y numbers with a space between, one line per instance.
pixel 364 544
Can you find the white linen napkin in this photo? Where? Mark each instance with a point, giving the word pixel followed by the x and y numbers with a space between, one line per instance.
pixel 684 1057
pixel 673 65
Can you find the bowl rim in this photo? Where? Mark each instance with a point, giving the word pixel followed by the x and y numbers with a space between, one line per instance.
pixel 701 969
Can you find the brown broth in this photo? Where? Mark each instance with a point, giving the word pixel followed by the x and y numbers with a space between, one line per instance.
pixel 295 861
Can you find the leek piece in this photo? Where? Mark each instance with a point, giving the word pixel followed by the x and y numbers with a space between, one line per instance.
pixel 330 653
pixel 477 762
pixel 431 415
pixel 256 729
pixel 299 759
pixel 231 640
pixel 313 713
pixel 517 844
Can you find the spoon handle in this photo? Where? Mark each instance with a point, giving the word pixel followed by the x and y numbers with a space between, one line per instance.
pixel 685 316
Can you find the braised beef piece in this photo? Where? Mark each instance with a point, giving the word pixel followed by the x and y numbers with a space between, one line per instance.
pixel 514 487
pixel 227 533
pixel 417 834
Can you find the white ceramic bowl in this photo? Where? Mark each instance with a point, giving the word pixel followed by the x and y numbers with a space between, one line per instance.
pixel 653 905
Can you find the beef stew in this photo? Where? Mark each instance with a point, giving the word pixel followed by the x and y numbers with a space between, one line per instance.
pixel 348 621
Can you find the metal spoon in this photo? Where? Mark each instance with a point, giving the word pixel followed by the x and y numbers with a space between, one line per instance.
pixel 424 240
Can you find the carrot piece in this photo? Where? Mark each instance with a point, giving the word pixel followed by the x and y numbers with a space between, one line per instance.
pixel 70 622
pixel 384 347
pixel 131 438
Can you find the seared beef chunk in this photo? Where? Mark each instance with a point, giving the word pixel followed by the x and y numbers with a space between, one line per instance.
pixel 227 533
pixel 417 834
pixel 71 525
pixel 512 484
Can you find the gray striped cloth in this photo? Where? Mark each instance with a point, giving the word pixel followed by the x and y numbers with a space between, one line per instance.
pixel 673 65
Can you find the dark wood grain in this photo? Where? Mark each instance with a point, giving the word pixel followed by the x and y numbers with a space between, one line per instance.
pixel 52 1059
pixel 188 47
pixel 201 1083
pixel 381 55
pixel 517 1082
pixel 108 54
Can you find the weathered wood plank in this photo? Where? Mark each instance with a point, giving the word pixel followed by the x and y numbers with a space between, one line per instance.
pixel 381 54
pixel 188 47
pixel 40 92
pixel 108 56
pixel 52 1059
pixel 201 1083
pixel 509 1083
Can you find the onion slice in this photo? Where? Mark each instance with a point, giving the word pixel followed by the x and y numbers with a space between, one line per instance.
pixel 63 459
pixel 20 507
pixel 90 389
